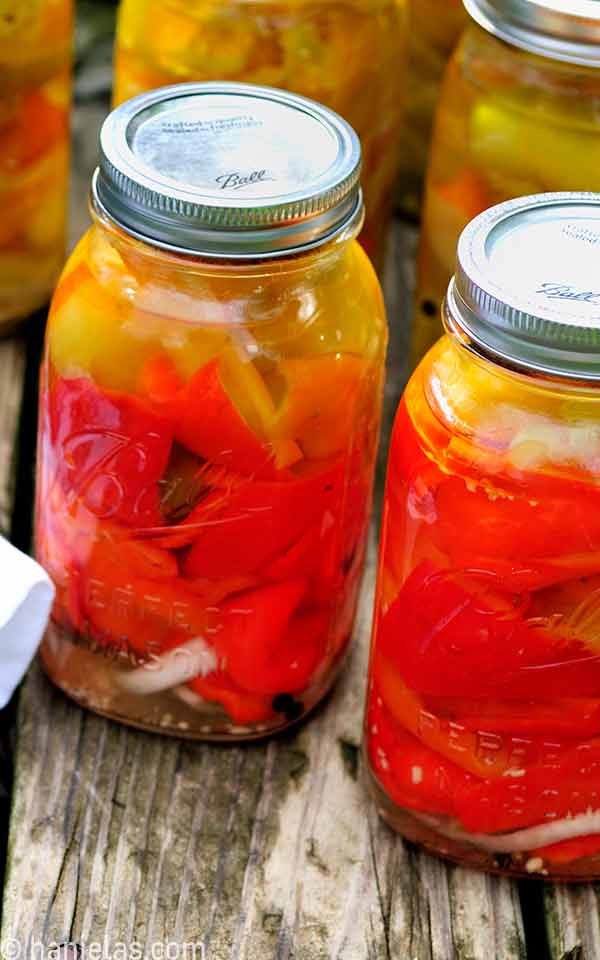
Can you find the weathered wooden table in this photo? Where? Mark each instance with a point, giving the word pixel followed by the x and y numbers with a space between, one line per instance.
pixel 124 844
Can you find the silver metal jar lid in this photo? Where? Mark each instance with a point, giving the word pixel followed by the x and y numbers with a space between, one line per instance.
pixel 527 286
pixel 561 29
pixel 228 170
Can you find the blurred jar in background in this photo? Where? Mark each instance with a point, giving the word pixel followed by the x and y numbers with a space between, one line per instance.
pixel 35 56
pixel 345 54
pixel 433 31
pixel 519 113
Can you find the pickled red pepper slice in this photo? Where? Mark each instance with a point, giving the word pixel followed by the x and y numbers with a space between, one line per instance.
pixel 414 775
pixel 303 558
pixel 131 611
pixel 565 785
pixel 456 633
pixel 530 536
pixel 526 770
pixel 507 532
pixel 242 706
pixel 568 850
pixel 233 433
pixel 481 752
pixel 452 633
pixel 261 648
pixel 111 451
pixel 565 716
pixel 246 524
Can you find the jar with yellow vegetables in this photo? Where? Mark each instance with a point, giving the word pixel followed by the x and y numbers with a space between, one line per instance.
pixel 519 113
pixel 433 31
pixel 209 415
pixel 35 55
pixel 346 54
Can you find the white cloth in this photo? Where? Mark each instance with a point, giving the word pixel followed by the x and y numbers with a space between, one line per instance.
pixel 26 595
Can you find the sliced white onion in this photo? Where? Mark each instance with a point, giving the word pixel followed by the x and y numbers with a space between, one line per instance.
pixel 171 669
pixel 539 836
pixel 193 700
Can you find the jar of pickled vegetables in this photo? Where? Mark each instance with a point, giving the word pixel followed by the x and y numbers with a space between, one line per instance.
pixel 210 403
pixel 346 54
pixel 519 113
pixel 433 31
pixel 35 53
pixel 483 721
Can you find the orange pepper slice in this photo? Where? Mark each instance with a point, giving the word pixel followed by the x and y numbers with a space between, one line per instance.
pixel 36 127
pixel 320 394
pixel 159 380
pixel 467 192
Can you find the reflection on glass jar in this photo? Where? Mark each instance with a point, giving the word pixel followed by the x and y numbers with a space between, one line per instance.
pixel 510 122
pixel 433 31
pixel 347 54
pixel 35 57
pixel 209 421
pixel 483 721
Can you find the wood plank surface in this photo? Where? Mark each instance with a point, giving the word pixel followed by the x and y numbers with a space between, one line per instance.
pixel 573 921
pixel 12 367
pixel 251 852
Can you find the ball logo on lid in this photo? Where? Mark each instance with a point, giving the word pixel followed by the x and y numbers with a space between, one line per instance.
pixel 237 181
pixel 255 148
pixel 565 291
pixel 527 285
pixel 548 267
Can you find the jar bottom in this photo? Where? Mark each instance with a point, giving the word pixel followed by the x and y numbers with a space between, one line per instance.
pixel 420 829
pixel 92 681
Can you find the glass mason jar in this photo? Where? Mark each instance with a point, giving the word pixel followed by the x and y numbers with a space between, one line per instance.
pixel 433 31
pixel 519 113
pixel 35 57
pixel 210 405
pixel 483 722
pixel 346 54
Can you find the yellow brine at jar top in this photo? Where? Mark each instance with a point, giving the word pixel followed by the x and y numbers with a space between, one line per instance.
pixel 208 429
pixel 509 122
pixel 433 31
pixel 35 58
pixel 347 54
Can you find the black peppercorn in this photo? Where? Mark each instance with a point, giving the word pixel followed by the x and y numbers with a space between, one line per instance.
pixel 286 704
